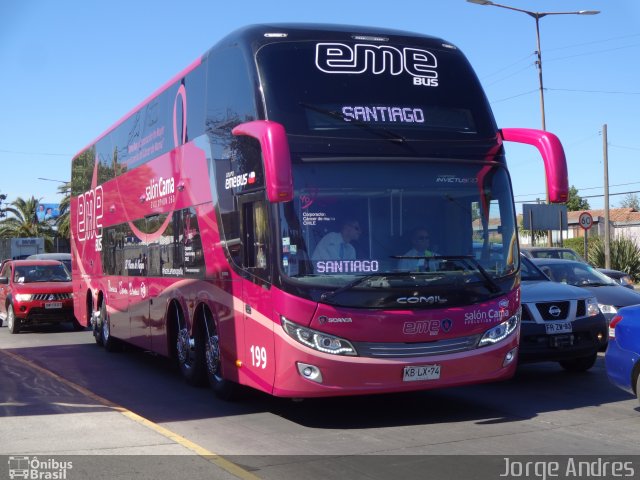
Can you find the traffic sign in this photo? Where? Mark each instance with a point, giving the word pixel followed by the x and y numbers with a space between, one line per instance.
pixel 585 220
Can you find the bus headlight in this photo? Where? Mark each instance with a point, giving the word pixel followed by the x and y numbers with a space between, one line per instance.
pixel 322 342
pixel 501 331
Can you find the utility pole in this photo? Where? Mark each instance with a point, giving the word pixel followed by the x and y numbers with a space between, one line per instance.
pixel 607 232
pixel 537 16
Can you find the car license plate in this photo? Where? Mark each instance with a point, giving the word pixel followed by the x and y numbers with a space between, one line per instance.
pixel 558 327
pixel 421 372
pixel 53 305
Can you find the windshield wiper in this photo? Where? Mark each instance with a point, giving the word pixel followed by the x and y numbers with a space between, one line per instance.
pixel 594 284
pixel 469 259
pixel 360 280
pixel 380 132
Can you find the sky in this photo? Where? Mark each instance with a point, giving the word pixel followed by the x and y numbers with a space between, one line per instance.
pixel 71 69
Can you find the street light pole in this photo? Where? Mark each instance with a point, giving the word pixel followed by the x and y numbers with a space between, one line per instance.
pixel 537 16
pixel 539 64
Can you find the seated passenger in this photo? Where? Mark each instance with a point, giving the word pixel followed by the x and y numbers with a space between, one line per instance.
pixel 420 241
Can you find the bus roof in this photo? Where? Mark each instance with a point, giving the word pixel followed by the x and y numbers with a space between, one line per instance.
pixel 258 35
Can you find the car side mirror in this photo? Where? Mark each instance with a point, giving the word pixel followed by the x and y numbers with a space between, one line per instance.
pixel 4 280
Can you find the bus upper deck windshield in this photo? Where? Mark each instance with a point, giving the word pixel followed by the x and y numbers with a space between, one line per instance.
pixel 359 89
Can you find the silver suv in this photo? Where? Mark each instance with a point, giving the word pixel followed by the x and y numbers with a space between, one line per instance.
pixel 560 323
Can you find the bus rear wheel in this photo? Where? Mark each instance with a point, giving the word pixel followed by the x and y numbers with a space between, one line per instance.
pixel 224 389
pixel 189 351
pixel 102 330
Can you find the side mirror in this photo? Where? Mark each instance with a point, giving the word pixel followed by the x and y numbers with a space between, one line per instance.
pixel 555 162
pixel 4 280
pixel 275 154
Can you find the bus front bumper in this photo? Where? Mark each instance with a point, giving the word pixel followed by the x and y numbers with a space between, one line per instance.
pixel 302 373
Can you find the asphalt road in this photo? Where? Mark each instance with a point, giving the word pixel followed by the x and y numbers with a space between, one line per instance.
pixel 96 404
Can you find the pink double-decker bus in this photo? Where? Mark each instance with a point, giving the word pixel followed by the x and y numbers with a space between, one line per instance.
pixel 309 210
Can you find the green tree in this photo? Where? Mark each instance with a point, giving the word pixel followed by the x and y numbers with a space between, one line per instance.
pixel 22 222
pixel 3 197
pixel 575 202
pixel 630 201
pixel 625 255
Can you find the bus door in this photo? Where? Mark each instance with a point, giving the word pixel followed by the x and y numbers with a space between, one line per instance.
pixel 258 356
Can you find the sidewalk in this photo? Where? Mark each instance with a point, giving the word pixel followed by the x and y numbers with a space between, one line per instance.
pixel 51 422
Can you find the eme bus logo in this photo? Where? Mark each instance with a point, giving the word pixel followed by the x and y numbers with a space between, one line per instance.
pixel 378 59
pixel 90 213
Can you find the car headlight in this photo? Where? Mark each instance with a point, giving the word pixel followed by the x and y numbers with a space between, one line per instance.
pixel 322 342
pixel 592 306
pixel 608 309
pixel 24 297
pixel 501 331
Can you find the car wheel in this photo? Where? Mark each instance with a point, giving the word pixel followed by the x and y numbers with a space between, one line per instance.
pixel 224 389
pixel 580 364
pixel 13 324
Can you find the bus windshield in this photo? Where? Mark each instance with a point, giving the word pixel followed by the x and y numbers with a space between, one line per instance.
pixel 436 223
pixel 366 91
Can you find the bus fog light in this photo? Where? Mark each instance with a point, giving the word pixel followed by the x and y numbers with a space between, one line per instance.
pixel 310 372
pixel 510 357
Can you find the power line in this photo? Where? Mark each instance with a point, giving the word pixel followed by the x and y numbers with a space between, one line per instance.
pixel 15 152
pixel 515 96
pixel 511 75
pixel 624 147
pixel 592 53
pixel 613 92
pixel 588 196
pixel 582 189
pixel 592 42
pixel 508 66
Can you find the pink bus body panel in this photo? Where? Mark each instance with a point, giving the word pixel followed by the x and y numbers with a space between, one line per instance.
pixel 141 322
pixel 249 315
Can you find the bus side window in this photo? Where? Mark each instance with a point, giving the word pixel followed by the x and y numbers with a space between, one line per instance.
pixel 255 231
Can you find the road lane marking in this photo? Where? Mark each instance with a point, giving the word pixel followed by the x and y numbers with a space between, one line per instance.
pixel 208 455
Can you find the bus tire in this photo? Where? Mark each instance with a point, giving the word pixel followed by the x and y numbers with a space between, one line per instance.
pixel 189 351
pixel 223 388
pixel 12 322
pixel 104 329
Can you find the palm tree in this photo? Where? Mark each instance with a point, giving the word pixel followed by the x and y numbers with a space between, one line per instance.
pixel 23 222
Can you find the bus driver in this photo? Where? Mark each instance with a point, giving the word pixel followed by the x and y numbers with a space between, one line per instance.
pixel 337 245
